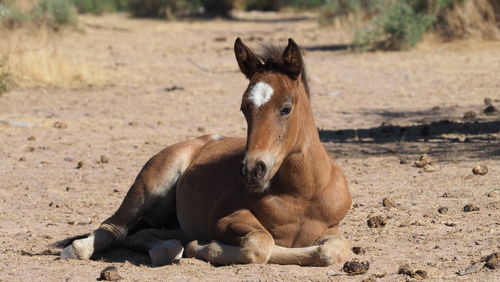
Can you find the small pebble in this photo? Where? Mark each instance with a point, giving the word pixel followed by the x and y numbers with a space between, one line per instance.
pixel 22 159
pixel 356 267
pixel 31 138
pixel 110 273
pixel 487 101
pixel 493 261
pixel 470 115
pixel 104 159
pixel 201 129
pixel 358 250
pixel 490 111
pixel 133 123
pixel 60 125
pixel 480 169
pixel 376 222
pixel 388 203
pixel 424 160
pixel 470 208
pixel 443 210
pixel 79 165
pixel 429 168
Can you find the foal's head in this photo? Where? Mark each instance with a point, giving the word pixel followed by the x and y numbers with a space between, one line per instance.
pixel 274 103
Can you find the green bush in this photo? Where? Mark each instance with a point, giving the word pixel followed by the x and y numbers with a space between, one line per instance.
pixel 55 12
pixel 400 27
pixel 4 76
pixel 11 18
pixel 98 7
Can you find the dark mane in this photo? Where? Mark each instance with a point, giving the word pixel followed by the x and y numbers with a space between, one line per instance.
pixel 271 57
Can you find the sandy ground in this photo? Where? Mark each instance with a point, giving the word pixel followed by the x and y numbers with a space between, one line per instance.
pixel 378 113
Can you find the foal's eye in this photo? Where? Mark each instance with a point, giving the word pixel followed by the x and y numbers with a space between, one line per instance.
pixel 285 111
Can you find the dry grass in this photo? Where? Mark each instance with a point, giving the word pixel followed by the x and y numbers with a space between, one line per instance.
pixel 476 18
pixel 34 59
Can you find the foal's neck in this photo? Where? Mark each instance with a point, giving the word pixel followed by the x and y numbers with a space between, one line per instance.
pixel 307 168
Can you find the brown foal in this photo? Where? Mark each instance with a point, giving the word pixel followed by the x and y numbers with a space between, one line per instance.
pixel 274 197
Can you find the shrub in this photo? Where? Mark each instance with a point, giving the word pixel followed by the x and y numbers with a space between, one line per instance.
pixel 98 7
pixel 4 76
pixel 161 8
pixel 264 5
pixel 55 12
pixel 10 17
pixel 401 27
pixel 217 7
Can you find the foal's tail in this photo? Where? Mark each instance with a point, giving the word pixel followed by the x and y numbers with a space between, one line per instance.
pixel 154 188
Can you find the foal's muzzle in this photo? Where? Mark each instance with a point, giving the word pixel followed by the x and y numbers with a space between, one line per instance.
pixel 257 171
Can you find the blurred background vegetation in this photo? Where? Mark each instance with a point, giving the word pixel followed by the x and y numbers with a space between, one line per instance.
pixel 378 24
pixel 382 24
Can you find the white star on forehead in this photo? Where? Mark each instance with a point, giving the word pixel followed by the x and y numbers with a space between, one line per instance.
pixel 260 93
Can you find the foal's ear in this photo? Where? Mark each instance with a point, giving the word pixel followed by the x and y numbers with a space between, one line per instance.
pixel 292 59
pixel 246 58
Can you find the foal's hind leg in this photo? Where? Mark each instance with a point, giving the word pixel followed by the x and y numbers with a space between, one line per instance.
pixel 163 246
pixel 155 185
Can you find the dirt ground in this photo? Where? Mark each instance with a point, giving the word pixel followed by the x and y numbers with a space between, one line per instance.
pixel 378 112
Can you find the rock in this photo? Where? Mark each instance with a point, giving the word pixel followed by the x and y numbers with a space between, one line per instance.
pixel 369 279
pixel 358 250
pixel 471 269
pixel 403 161
pixel 424 160
pixel 470 115
pixel 22 159
pixel 69 188
pixel 429 168
pixel 388 203
pixel 480 169
pixel 80 164
pixel 60 125
pixel 470 208
pixel 421 273
pixel 443 210
pixel 490 111
pixel 103 159
pixel 201 129
pixel 31 138
pixel 493 261
pixel 173 88
pixel 110 273
pixel 29 149
pixel 405 269
pixel 487 101
pixel 356 267
pixel 494 194
pixel 133 123
pixel 376 222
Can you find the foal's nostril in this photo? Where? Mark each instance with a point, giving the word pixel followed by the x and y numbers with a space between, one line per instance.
pixel 260 169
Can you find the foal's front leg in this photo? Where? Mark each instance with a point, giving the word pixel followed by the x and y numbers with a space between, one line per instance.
pixel 330 248
pixel 242 239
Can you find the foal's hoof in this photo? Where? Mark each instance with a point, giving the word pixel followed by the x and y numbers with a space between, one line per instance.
pixel 68 253
pixel 77 250
pixel 166 252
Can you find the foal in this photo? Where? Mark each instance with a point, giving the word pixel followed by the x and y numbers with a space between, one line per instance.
pixel 274 197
